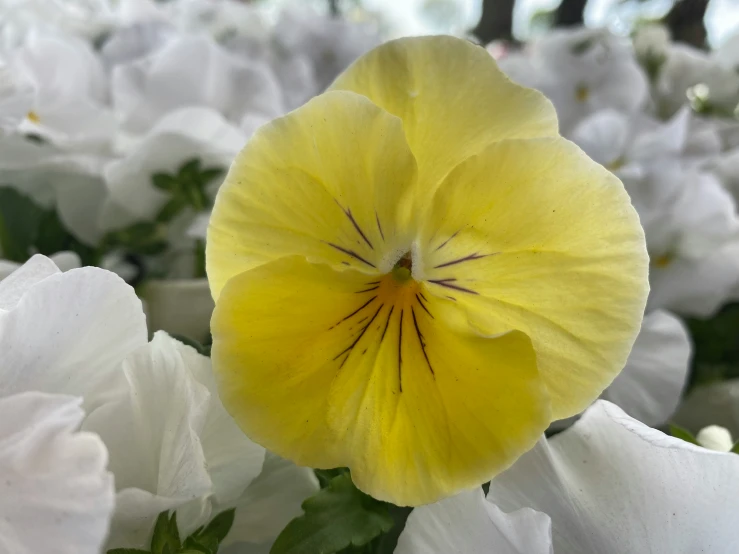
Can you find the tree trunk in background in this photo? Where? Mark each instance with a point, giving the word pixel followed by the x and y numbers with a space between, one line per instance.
pixel 685 21
pixel 570 13
pixel 496 21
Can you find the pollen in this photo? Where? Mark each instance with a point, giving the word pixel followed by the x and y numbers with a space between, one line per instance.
pixel 33 117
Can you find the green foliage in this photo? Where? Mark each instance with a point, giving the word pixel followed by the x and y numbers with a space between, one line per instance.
pixel 166 536
pixel 186 188
pixel 206 540
pixel 203 349
pixel 716 342
pixel 339 518
pixel 27 229
pixel 681 433
pixel 325 476
pixel 147 238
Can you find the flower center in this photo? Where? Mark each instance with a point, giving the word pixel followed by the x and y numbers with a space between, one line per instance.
pixel 403 269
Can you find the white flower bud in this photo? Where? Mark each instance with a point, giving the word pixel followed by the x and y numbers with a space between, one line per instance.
pixel 716 438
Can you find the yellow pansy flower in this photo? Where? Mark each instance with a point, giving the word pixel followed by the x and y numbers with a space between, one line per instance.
pixel 414 274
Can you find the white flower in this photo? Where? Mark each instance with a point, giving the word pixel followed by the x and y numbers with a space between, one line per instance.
pixel 331 44
pixel 469 524
pixel 84 18
pixel 56 493
pixel 63 260
pixel 651 384
pixel 613 485
pixel 70 92
pixel 180 136
pixel 190 71
pixel 16 97
pixel 69 182
pixel 171 443
pixel 630 144
pixel 715 437
pixel 581 71
pixel 689 73
pixel 651 44
pixel 692 232
pixel 727 55
pixel 609 484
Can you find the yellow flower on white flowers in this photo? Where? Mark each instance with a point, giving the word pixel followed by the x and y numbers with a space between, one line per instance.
pixel 414 274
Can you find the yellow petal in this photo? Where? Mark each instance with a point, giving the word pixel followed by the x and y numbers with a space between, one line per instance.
pixel 452 98
pixel 327 181
pixel 533 235
pixel 332 368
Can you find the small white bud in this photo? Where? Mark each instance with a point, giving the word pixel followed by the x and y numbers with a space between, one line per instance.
pixel 716 438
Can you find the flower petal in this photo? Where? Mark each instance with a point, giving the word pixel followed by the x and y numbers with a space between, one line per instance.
pixel 415 404
pixel 68 333
pixel 57 495
pixel 470 524
pixel 613 485
pixel 553 249
pixel 15 285
pixel 272 500
pixel 651 384
pixel 325 181
pixel 154 439
pixel 418 78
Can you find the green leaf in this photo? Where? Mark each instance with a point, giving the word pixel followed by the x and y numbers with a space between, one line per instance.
pixel 681 433
pixel 735 449
pixel 204 350
pixel 19 221
pixel 219 526
pixel 164 182
pixel 190 168
pixel 210 174
pixel 337 517
pixel 128 551
pixel 146 238
pixel 171 209
pixel 325 476
pixel 166 538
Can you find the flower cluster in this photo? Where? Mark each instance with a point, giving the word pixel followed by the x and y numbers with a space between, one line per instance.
pixel 418 266
pixel 118 124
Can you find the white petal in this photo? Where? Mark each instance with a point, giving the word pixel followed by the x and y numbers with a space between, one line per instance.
pixel 153 436
pixel 177 138
pixel 56 494
pixel 180 307
pixel 14 286
pixel 695 287
pixel 650 386
pixel 603 136
pixel 272 500
pixel 613 485
pixel 470 524
pixel 80 199
pixel 233 460
pixel 192 71
pixel 68 333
